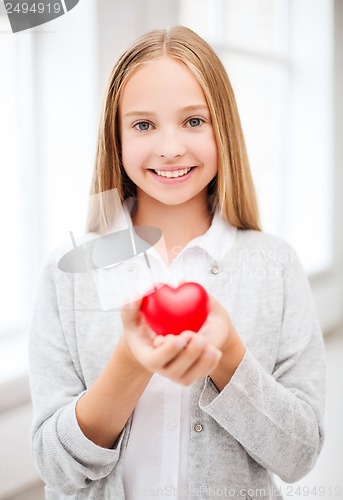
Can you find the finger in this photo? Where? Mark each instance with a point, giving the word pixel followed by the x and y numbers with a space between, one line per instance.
pixel 187 335
pixel 159 340
pixel 130 313
pixel 203 367
pixel 167 351
pixel 190 354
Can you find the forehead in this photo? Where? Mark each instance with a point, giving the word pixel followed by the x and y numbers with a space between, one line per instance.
pixel 160 82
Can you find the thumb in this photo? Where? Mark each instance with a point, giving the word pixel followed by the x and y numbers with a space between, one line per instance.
pixel 130 313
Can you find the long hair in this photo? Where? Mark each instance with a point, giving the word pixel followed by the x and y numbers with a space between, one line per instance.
pixel 232 190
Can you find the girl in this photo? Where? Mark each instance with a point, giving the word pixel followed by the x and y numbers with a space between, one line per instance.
pixel 121 413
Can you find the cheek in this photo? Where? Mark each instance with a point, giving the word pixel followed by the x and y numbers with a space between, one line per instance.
pixel 133 154
pixel 129 158
pixel 207 152
pixel 135 150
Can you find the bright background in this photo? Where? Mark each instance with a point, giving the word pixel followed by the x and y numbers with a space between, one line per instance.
pixel 285 62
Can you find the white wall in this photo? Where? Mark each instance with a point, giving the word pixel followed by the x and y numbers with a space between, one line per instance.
pixel 121 22
pixel 328 287
pixel 17 469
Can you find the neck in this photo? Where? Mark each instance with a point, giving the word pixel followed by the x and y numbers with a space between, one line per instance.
pixel 179 223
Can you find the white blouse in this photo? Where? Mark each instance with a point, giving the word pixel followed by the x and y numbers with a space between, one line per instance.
pixel 155 460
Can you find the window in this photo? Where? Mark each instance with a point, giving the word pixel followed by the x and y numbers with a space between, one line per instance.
pixel 48 129
pixel 14 178
pixel 278 54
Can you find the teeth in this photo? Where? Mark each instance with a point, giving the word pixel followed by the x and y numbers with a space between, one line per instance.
pixel 173 173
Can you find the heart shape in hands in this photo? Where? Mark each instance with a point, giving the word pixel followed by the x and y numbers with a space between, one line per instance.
pixel 174 310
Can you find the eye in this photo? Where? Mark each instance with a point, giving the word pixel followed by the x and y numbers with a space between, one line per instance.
pixel 142 126
pixel 195 122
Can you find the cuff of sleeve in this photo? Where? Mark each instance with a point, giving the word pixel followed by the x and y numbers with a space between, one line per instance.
pixel 82 449
pixel 215 402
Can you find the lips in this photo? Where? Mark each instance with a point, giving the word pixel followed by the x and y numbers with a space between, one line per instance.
pixel 172 174
pixel 171 169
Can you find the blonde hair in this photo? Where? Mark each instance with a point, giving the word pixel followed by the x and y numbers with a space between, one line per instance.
pixel 232 190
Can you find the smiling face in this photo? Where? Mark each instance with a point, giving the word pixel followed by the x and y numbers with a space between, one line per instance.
pixel 167 142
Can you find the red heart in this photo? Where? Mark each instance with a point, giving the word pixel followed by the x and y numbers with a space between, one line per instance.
pixel 174 310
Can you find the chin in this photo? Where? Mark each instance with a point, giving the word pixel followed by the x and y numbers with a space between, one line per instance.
pixel 173 200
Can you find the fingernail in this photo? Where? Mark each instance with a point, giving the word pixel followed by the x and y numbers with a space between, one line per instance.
pixel 159 340
pixel 212 353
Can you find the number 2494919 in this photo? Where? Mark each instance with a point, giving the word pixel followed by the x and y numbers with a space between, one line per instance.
pixel 35 8
pixel 320 491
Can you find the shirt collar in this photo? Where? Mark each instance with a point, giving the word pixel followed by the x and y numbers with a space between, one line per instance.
pixel 216 241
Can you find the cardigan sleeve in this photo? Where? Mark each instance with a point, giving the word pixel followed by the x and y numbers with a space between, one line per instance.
pixel 66 459
pixel 278 417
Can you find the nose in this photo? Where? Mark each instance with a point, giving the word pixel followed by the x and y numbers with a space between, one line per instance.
pixel 169 145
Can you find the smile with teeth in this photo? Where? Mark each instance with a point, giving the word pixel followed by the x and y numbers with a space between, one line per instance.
pixel 173 173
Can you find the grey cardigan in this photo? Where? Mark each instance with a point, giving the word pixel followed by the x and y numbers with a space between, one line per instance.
pixel 267 420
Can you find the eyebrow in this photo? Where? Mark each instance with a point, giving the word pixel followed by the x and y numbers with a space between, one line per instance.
pixel 192 107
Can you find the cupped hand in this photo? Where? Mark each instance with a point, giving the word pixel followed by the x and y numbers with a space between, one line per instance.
pixel 182 358
pixel 217 329
pixel 219 336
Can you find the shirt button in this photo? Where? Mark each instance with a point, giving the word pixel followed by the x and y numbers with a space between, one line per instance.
pixel 171 426
pixel 214 269
pixel 169 485
pixel 198 427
